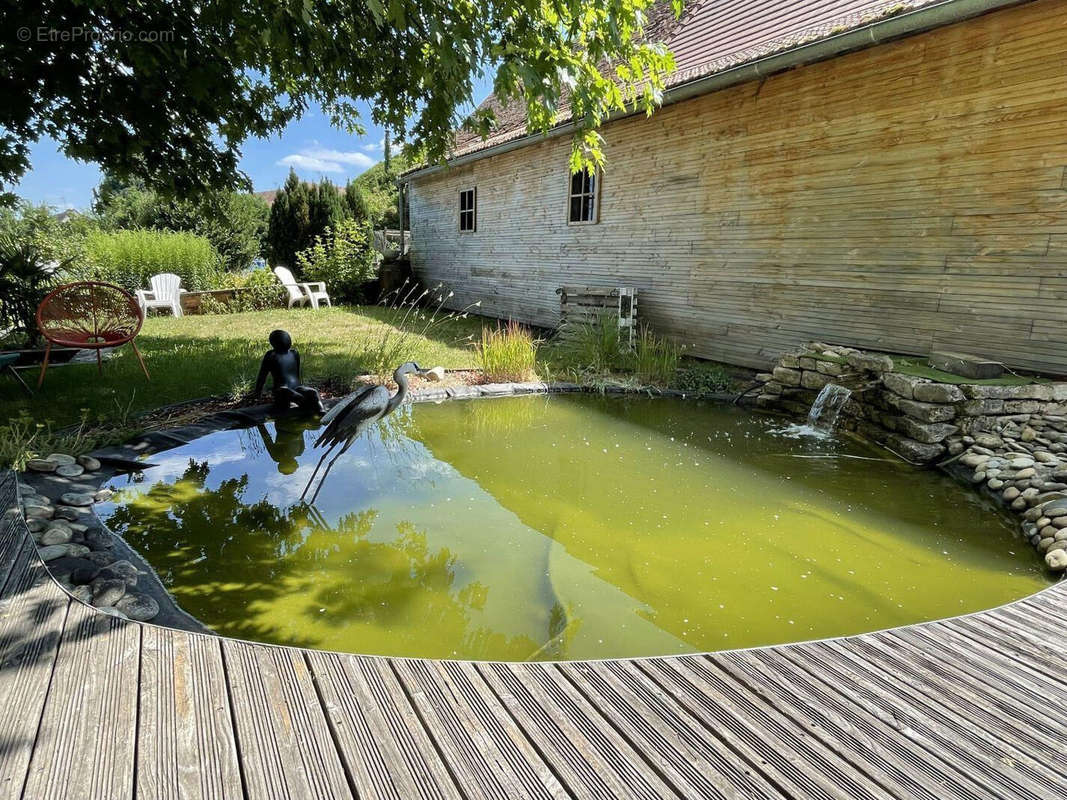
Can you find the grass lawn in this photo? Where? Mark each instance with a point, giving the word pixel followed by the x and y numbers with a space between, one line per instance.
pixel 197 356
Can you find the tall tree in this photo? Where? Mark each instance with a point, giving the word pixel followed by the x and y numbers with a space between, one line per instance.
pixel 327 208
pixel 167 90
pixel 290 215
pixel 356 203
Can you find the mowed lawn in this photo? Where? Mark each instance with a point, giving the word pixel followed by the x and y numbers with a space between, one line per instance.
pixel 200 356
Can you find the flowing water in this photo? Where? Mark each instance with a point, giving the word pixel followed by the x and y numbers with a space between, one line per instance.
pixel 827 406
pixel 563 527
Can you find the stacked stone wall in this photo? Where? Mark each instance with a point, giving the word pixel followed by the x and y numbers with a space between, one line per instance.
pixel 1011 441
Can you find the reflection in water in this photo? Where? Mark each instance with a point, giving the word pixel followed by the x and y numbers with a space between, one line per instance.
pixel 563 527
pixel 287 444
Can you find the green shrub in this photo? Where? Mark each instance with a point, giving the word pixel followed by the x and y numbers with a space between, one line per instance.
pixel 36 252
pixel 262 291
pixel 343 259
pixel 130 258
pixel 702 378
pixel 655 358
pixel 508 354
pixel 234 223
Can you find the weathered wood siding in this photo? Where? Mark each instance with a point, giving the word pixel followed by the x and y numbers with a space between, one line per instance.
pixel 907 197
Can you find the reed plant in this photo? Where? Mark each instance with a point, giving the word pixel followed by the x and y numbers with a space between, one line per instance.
pixel 655 358
pixel 130 257
pixel 508 354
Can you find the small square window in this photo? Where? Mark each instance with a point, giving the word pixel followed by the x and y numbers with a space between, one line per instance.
pixel 468 210
pixel 583 206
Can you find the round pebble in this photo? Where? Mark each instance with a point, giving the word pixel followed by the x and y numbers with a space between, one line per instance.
pixel 1056 560
pixel 83 593
pixel 69 514
pixel 54 551
pixel 79 499
pixel 140 607
pixel 61 458
pixel 70 470
pixel 57 534
pixel 107 592
pixel 91 464
pixel 36 511
pixel 120 570
pixel 41 465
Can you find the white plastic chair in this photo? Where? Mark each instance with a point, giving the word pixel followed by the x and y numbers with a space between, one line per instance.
pixel 300 293
pixel 166 292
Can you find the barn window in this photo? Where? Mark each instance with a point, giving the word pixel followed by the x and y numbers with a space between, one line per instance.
pixel 583 198
pixel 468 209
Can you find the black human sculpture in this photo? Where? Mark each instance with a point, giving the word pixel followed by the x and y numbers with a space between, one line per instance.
pixel 283 365
pixel 346 420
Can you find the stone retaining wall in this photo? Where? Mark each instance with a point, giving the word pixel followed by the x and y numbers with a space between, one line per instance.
pixel 1011 441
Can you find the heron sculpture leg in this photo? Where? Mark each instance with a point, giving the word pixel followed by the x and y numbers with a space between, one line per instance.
pixel 311 480
pixel 326 472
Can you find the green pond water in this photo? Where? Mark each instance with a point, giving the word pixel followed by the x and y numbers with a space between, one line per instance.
pixel 563 527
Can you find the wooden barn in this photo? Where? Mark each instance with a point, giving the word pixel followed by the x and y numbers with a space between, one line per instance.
pixel 887 175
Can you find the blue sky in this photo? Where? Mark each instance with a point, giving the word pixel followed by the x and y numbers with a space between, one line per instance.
pixel 311 145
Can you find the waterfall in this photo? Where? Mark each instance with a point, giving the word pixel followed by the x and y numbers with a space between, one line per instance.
pixel 827 406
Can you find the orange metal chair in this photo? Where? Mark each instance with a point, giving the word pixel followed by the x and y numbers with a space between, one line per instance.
pixel 89 315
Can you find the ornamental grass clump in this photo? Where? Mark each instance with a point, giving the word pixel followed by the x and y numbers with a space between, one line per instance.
pixel 415 314
pixel 655 358
pixel 508 354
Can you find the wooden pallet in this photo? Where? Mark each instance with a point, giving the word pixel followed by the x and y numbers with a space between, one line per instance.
pixel 587 305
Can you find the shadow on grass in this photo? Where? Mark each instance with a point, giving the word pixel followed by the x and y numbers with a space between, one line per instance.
pixel 198 356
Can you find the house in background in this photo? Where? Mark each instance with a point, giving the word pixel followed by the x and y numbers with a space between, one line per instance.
pixel 888 175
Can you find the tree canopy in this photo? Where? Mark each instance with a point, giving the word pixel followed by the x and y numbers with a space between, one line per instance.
pixel 166 91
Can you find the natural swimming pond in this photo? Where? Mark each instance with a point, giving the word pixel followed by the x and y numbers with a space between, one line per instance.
pixel 563 527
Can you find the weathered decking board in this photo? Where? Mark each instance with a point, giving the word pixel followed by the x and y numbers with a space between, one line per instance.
pixel 101 708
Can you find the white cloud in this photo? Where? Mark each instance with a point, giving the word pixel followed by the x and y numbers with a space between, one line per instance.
pixel 323 159
pixel 373 147
pixel 309 163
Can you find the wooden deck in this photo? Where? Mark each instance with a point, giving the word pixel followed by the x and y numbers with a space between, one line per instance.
pixel 96 707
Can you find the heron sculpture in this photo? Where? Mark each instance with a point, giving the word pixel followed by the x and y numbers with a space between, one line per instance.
pixel 346 420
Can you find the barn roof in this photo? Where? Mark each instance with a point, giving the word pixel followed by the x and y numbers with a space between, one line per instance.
pixel 718 36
